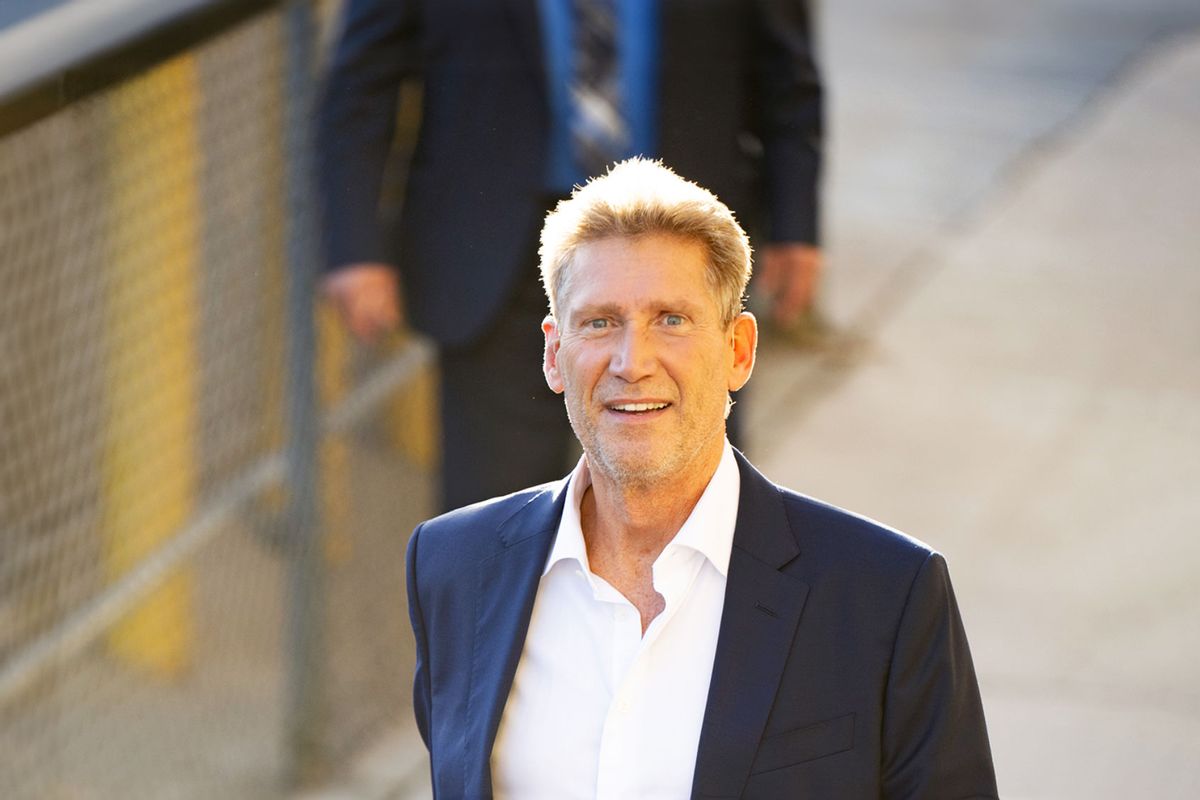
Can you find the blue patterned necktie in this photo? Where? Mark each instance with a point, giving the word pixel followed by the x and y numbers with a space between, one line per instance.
pixel 599 132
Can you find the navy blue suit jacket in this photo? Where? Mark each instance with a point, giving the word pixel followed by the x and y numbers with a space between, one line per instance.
pixel 739 112
pixel 842 669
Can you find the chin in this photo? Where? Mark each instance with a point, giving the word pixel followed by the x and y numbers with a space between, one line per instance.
pixel 633 469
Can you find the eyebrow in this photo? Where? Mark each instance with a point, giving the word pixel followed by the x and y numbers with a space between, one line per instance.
pixel 682 306
pixel 596 309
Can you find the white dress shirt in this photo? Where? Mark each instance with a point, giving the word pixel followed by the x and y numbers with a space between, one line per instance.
pixel 597 710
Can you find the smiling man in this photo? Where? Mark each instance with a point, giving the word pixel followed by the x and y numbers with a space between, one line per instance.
pixel 665 622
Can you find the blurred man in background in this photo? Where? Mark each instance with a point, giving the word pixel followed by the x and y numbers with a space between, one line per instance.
pixel 522 99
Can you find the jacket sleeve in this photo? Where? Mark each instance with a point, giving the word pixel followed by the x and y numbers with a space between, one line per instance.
pixel 935 742
pixel 787 96
pixel 422 697
pixel 378 47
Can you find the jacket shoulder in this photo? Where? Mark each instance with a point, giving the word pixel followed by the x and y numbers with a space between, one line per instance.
pixel 475 531
pixel 835 535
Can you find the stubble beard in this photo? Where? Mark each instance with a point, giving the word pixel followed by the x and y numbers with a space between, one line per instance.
pixel 637 471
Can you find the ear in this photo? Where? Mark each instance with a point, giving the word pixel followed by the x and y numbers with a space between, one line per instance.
pixel 743 344
pixel 550 356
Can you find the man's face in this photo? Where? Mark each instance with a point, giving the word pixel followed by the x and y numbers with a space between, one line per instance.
pixel 642 357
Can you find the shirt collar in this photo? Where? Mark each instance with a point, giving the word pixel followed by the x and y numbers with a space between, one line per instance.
pixel 707 530
pixel 568 543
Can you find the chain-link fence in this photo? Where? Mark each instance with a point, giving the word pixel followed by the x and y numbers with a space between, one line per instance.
pixel 202 518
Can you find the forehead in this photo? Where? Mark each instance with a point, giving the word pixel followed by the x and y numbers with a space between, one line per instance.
pixel 633 271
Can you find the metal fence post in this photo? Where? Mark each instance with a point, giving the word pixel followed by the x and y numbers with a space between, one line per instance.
pixel 305 701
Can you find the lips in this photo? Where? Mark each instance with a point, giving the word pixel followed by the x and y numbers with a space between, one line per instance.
pixel 637 408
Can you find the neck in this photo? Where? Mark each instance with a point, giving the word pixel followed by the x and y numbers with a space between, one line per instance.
pixel 626 526
pixel 626 521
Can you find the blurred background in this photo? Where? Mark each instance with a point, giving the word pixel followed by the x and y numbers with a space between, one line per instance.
pixel 206 489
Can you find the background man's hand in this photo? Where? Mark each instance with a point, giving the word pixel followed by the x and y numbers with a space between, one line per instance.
pixel 788 278
pixel 367 297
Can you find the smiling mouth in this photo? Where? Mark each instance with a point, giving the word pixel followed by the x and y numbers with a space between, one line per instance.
pixel 637 408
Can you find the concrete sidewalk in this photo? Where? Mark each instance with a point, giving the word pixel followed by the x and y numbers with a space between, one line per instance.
pixel 1013 242
pixel 1021 389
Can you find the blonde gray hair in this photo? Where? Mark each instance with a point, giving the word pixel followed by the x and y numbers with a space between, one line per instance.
pixel 639 197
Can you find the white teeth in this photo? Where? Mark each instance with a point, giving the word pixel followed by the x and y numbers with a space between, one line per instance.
pixel 639 406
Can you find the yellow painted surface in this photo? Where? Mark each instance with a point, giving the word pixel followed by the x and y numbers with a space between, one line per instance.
pixel 333 365
pixel 150 453
pixel 275 295
pixel 413 418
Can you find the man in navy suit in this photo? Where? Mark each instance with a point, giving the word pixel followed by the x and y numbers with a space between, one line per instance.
pixel 725 91
pixel 666 622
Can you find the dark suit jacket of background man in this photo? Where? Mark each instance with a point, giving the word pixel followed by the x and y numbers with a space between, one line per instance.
pixel 841 671
pixel 739 113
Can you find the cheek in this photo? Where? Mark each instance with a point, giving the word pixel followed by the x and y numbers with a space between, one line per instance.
pixel 702 369
pixel 573 368
pixel 584 356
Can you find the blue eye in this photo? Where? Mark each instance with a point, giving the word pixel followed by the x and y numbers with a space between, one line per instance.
pixel 673 320
pixel 596 324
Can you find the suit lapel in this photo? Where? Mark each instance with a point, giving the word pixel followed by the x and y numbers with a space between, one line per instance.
pixel 526 18
pixel 758 625
pixel 507 584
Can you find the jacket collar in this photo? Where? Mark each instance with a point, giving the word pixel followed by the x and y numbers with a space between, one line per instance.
pixel 507 583
pixel 526 19
pixel 758 624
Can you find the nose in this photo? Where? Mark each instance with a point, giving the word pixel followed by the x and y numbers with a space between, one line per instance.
pixel 634 355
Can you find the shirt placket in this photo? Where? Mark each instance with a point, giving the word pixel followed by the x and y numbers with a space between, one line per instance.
pixel 617 773
pixel 624 642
